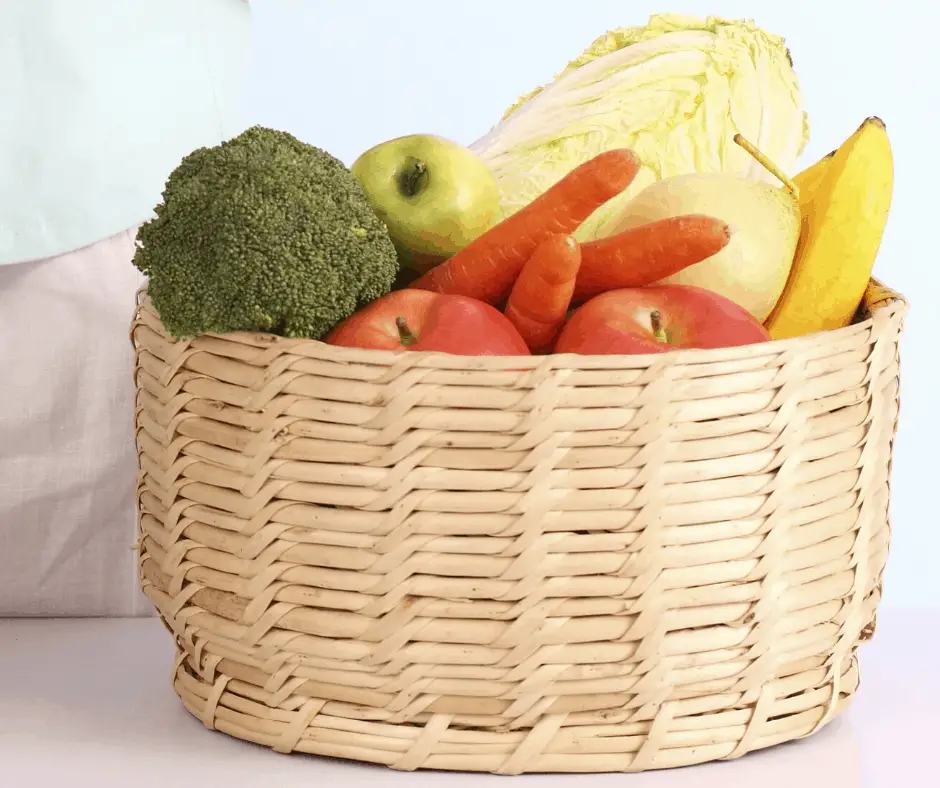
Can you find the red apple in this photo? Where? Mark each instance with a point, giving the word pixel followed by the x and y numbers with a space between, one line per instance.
pixel 421 320
pixel 658 318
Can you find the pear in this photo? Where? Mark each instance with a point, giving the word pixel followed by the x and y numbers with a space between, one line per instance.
pixel 752 269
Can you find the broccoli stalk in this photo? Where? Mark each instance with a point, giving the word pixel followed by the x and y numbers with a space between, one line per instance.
pixel 263 233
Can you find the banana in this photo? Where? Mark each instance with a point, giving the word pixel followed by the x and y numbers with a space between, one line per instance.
pixel 845 199
pixel 812 176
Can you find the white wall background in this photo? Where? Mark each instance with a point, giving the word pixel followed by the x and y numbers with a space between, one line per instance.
pixel 347 75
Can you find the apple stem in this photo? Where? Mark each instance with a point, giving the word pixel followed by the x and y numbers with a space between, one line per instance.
pixel 412 179
pixel 656 320
pixel 405 334
pixel 774 170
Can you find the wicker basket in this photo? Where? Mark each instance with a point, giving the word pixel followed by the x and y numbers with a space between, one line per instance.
pixel 576 564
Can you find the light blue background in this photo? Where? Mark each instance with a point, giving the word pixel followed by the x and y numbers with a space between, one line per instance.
pixel 347 75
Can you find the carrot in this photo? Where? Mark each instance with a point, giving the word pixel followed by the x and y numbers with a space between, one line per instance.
pixel 541 296
pixel 645 254
pixel 487 267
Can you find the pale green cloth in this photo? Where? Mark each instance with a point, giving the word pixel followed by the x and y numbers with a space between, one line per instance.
pixel 99 101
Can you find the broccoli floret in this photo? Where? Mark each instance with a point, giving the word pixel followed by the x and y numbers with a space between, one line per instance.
pixel 263 233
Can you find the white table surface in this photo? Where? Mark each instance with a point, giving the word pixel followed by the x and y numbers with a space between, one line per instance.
pixel 89 702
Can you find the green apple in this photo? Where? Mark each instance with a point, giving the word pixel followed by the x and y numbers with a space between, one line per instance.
pixel 434 195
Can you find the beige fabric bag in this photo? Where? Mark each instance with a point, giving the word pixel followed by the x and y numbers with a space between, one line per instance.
pixel 67 456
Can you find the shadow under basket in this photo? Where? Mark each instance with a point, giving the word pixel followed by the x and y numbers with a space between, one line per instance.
pixel 545 564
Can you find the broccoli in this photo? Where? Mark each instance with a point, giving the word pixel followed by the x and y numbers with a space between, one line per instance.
pixel 263 233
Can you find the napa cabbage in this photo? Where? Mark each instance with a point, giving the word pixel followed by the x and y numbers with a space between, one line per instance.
pixel 675 91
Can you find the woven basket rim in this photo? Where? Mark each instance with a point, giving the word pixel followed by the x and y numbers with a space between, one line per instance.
pixel 877 296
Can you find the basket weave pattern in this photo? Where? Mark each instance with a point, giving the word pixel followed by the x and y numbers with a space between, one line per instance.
pixel 574 565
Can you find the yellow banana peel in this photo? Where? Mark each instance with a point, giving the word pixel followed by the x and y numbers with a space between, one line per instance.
pixel 813 175
pixel 845 199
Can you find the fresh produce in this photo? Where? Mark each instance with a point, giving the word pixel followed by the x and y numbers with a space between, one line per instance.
pixel 675 91
pixel 752 268
pixel 658 318
pixel 845 199
pixel 643 254
pixel 263 233
pixel 541 296
pixel 419 320
pixel 487 268
pixel 434 195
pixel 620 209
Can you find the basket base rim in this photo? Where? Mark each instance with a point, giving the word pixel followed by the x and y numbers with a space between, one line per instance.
pixel 686 757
